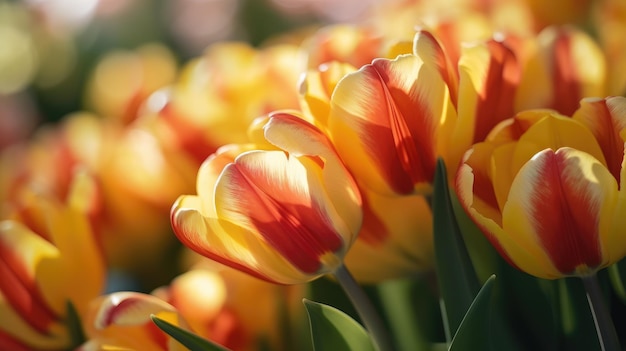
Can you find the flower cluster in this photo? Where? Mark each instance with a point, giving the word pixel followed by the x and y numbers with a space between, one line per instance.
pixel 428 152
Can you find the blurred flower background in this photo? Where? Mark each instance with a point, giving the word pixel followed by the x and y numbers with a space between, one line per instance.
pixel 153 150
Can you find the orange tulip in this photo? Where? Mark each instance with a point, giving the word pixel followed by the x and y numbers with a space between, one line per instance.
pixel 547 189
pixel 285 211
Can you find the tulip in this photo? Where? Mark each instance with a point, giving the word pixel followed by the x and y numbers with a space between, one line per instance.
pixel 122 80
pixel 49 257
pixel 196 114
pixel 562 65
pixel 610 23
pixel 385 248
pixel 121 321
pixel 286 211
pixel 546 189
pixel 387 121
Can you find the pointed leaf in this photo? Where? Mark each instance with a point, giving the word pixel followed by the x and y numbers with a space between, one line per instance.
pixel 456 275
pixel 74 325
pixel 475 328
pixel 332 329
pixel 189 340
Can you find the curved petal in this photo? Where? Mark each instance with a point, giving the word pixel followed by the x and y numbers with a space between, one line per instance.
pixel 606 118
pixel 430 50
pixel 489 75
pixel 297 224
pixel 122 321
pixel 128 308
pixel 385 120
pixel 20 328
pixel 78 274
pixel 230 244
pixel 577 66
pixel 317 87
pixel 337 188
pixel 22 253
pixel 556 206
pixel 554 131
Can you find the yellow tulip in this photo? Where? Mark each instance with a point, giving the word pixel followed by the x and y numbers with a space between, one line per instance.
pixel 546 189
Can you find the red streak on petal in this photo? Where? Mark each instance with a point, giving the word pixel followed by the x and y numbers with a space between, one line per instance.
pixel 564 218
pixel 21 292
pixel 496 102
pixel 9 343
pixel 299 233
pixel 567 90
pixel 403 149
pixel 607 132
pixel 444 66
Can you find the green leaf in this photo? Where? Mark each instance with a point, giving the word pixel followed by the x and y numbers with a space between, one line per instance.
pixel 332 329
pixel 578 329
pixel 74 325
pixel 189 340
pixel 475 330
pixel 456 275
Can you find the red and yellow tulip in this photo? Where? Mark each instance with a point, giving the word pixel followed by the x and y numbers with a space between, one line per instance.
pixel 121 321
pixel 547 189
pixel 50 257
pixel 285 211
pixel 220 93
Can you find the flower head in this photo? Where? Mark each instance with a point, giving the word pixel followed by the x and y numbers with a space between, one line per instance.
pixel 547 189
pixel 285 211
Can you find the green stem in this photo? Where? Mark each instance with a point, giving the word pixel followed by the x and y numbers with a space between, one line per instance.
pixel 364 308
pixel 601 315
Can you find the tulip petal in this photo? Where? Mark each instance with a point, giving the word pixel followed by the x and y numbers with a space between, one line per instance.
pixel 318 86
pixel 577 65
pixel 293 135
pixel 21 329
pixel 128 308
pixel 489 74
pixel 430 50
pixel 122 321
pixel 22 253
pixel 297 225
pixel 606 118
pixel 384 121
pixel 230 244
pixel 555 210
pixel 554 131
pixel 80 260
